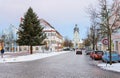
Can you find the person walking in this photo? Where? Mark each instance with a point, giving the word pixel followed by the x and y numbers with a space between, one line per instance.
pixel 2 52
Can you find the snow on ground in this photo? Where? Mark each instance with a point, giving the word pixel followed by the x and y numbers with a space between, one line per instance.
pixel 30 57
pixel 114 67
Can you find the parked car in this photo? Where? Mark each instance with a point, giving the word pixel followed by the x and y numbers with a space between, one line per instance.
pixel 96 55
pixel 91 54
pixel 66 49
pixel 78 51
pixel 87 52
pixel 115 57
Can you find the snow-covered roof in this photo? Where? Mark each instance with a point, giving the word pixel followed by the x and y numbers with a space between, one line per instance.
pixel 48 27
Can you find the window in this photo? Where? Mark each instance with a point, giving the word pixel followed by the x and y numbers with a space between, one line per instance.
pixel 116 45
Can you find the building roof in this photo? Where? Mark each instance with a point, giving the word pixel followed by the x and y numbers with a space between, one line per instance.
pixel 48 27
pixel 46 24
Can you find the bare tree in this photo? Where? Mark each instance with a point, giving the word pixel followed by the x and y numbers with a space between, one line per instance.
pixel 67 43
pixel 94 25
pixel 109 19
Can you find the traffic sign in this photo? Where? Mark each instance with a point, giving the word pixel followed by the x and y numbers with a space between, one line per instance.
pixel 105 41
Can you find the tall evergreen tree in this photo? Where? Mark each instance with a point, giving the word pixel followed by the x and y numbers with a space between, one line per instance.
pixel 30 32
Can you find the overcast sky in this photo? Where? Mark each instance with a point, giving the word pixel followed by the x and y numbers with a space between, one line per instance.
pixel 61 14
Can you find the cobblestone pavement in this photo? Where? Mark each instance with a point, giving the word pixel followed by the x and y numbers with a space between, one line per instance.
pixel 68 65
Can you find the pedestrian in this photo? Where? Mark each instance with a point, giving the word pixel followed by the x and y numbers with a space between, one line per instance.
pixel 2 52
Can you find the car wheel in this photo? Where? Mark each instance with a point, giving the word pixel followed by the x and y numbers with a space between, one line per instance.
pixel 119 61
pixel 94 57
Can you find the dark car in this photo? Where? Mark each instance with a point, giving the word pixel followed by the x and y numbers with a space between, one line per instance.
pixel 78 52
pixel 87 52
pixel 66 49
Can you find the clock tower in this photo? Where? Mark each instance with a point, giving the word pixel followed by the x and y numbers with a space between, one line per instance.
pixel 76 39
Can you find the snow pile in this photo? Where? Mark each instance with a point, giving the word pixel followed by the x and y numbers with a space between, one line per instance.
pixel 114 67
pixel 30 57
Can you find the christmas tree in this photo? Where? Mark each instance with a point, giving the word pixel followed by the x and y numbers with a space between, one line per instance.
pixel 30 31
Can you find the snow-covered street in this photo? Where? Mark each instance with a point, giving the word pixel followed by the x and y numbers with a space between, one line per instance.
pixel 114 67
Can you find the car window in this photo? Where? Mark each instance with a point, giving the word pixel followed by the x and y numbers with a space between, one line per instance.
pixel 113 52
pixel 98 51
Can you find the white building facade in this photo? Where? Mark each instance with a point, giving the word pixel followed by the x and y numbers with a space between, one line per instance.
pixel 54 39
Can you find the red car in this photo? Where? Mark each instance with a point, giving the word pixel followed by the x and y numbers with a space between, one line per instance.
pixel 96 55
pixel 91 54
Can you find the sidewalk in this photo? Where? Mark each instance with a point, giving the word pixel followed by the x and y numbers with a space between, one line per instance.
pixel 26 56
pixel 114 67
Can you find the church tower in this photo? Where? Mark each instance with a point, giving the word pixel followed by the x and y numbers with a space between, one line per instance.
pixel 76 39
